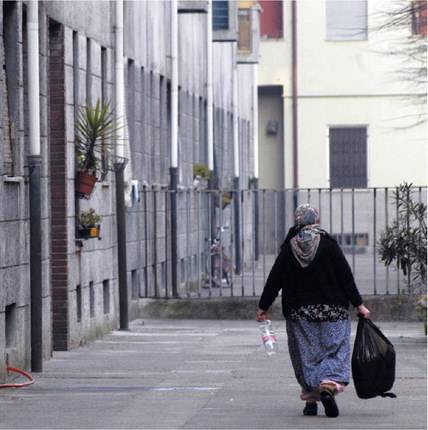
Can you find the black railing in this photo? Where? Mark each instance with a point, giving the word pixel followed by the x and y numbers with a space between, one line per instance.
pixel 209 261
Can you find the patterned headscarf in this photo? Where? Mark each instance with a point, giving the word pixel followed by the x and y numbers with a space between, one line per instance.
pixel 304 244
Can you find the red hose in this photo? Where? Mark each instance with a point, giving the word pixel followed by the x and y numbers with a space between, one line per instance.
pixel 21 384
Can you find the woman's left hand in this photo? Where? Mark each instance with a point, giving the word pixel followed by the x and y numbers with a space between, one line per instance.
pixel 261 315
pixel 362 310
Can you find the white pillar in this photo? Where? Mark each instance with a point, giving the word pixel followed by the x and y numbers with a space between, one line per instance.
pixel 255 122
pixel 235 110
pixel 120 80
pixel 33 77
pixel 174 84
pixel 210 101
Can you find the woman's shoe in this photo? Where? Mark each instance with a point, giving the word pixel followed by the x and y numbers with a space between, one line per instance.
pixel 310 409
pixel 329 403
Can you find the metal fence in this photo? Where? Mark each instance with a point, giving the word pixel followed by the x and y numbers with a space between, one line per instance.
pixel 249 226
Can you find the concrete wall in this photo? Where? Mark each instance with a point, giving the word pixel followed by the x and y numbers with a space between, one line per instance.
pixel 344 83
pixel 80 285
pixel 14 216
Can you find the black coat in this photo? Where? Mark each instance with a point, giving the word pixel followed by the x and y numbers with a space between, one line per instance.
pixel 327 280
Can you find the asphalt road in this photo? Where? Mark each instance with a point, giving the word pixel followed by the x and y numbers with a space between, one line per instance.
pixel 203 375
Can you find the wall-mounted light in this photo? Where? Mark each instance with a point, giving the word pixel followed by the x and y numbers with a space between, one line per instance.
pixel 272 128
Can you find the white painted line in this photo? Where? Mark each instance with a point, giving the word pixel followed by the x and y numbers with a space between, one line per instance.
pixel 183 389
pixel 178 334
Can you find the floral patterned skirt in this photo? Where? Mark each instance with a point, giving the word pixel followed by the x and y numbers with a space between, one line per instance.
pixel 319 351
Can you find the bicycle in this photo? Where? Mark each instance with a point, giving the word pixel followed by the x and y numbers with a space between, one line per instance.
pixel 218 263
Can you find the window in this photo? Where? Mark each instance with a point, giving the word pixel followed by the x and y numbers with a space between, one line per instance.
pixel 134 284
pixel 220 11
pixel 419 17
pixel 88 73
pixel 10 325
pixel 76 73
pixel 244 30
pixel 346 19
pixel 104 100
pixel 11 92
pixel 79 303
pixel 106 296
pixel 91 299
pixel 348 241
pixel 348 157
pixel 130 99
pixel 144 283
pixel 271 19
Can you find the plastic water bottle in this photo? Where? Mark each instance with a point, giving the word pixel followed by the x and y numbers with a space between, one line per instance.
pixel 268 337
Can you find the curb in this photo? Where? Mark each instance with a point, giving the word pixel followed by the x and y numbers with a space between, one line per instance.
pixel 383 308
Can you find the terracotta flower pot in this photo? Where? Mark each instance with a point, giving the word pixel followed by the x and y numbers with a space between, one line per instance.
pixel 85 184
pixel 90 232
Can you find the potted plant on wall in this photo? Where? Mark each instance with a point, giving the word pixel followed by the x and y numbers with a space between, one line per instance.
pixel 201 175
pixel 94 127
pixel 89 224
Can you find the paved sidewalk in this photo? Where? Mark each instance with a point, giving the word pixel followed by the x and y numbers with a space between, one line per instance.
pixel 203 375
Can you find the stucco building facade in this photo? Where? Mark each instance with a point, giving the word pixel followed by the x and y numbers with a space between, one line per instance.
pixel 349 79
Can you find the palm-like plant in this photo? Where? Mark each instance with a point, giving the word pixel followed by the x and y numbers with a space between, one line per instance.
pixel 95 126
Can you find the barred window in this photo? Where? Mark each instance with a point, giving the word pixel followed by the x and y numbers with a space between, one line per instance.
pixel 348 157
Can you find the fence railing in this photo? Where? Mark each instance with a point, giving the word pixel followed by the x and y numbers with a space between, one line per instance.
pixel 227 240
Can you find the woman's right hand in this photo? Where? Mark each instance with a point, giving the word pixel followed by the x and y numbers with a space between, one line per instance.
pixel 261 315
pixel 362 310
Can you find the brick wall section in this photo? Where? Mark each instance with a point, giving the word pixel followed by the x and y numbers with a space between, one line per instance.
pixel 58 161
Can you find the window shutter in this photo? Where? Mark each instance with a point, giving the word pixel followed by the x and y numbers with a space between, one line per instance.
pixel 346 19
pixel 419 17
pixel 220 11
pixel 271 19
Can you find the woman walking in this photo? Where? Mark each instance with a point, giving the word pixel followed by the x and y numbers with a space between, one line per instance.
pixel 317 288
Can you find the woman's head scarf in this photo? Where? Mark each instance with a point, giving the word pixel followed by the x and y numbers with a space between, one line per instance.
pixel 304 244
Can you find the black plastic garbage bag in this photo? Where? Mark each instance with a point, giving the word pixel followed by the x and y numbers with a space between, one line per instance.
pixel 373 362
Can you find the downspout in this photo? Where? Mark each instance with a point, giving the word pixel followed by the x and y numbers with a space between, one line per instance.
pixel 119 169
pixel 34 163
pixel 174 145
pixel 236 185
pixel 294 99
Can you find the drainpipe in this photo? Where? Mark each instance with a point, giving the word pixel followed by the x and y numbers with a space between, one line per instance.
pixel 174 145
pixel 256 161
pixel 237 200
pixel 119 169
pixel 34 163
pixel 294 99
